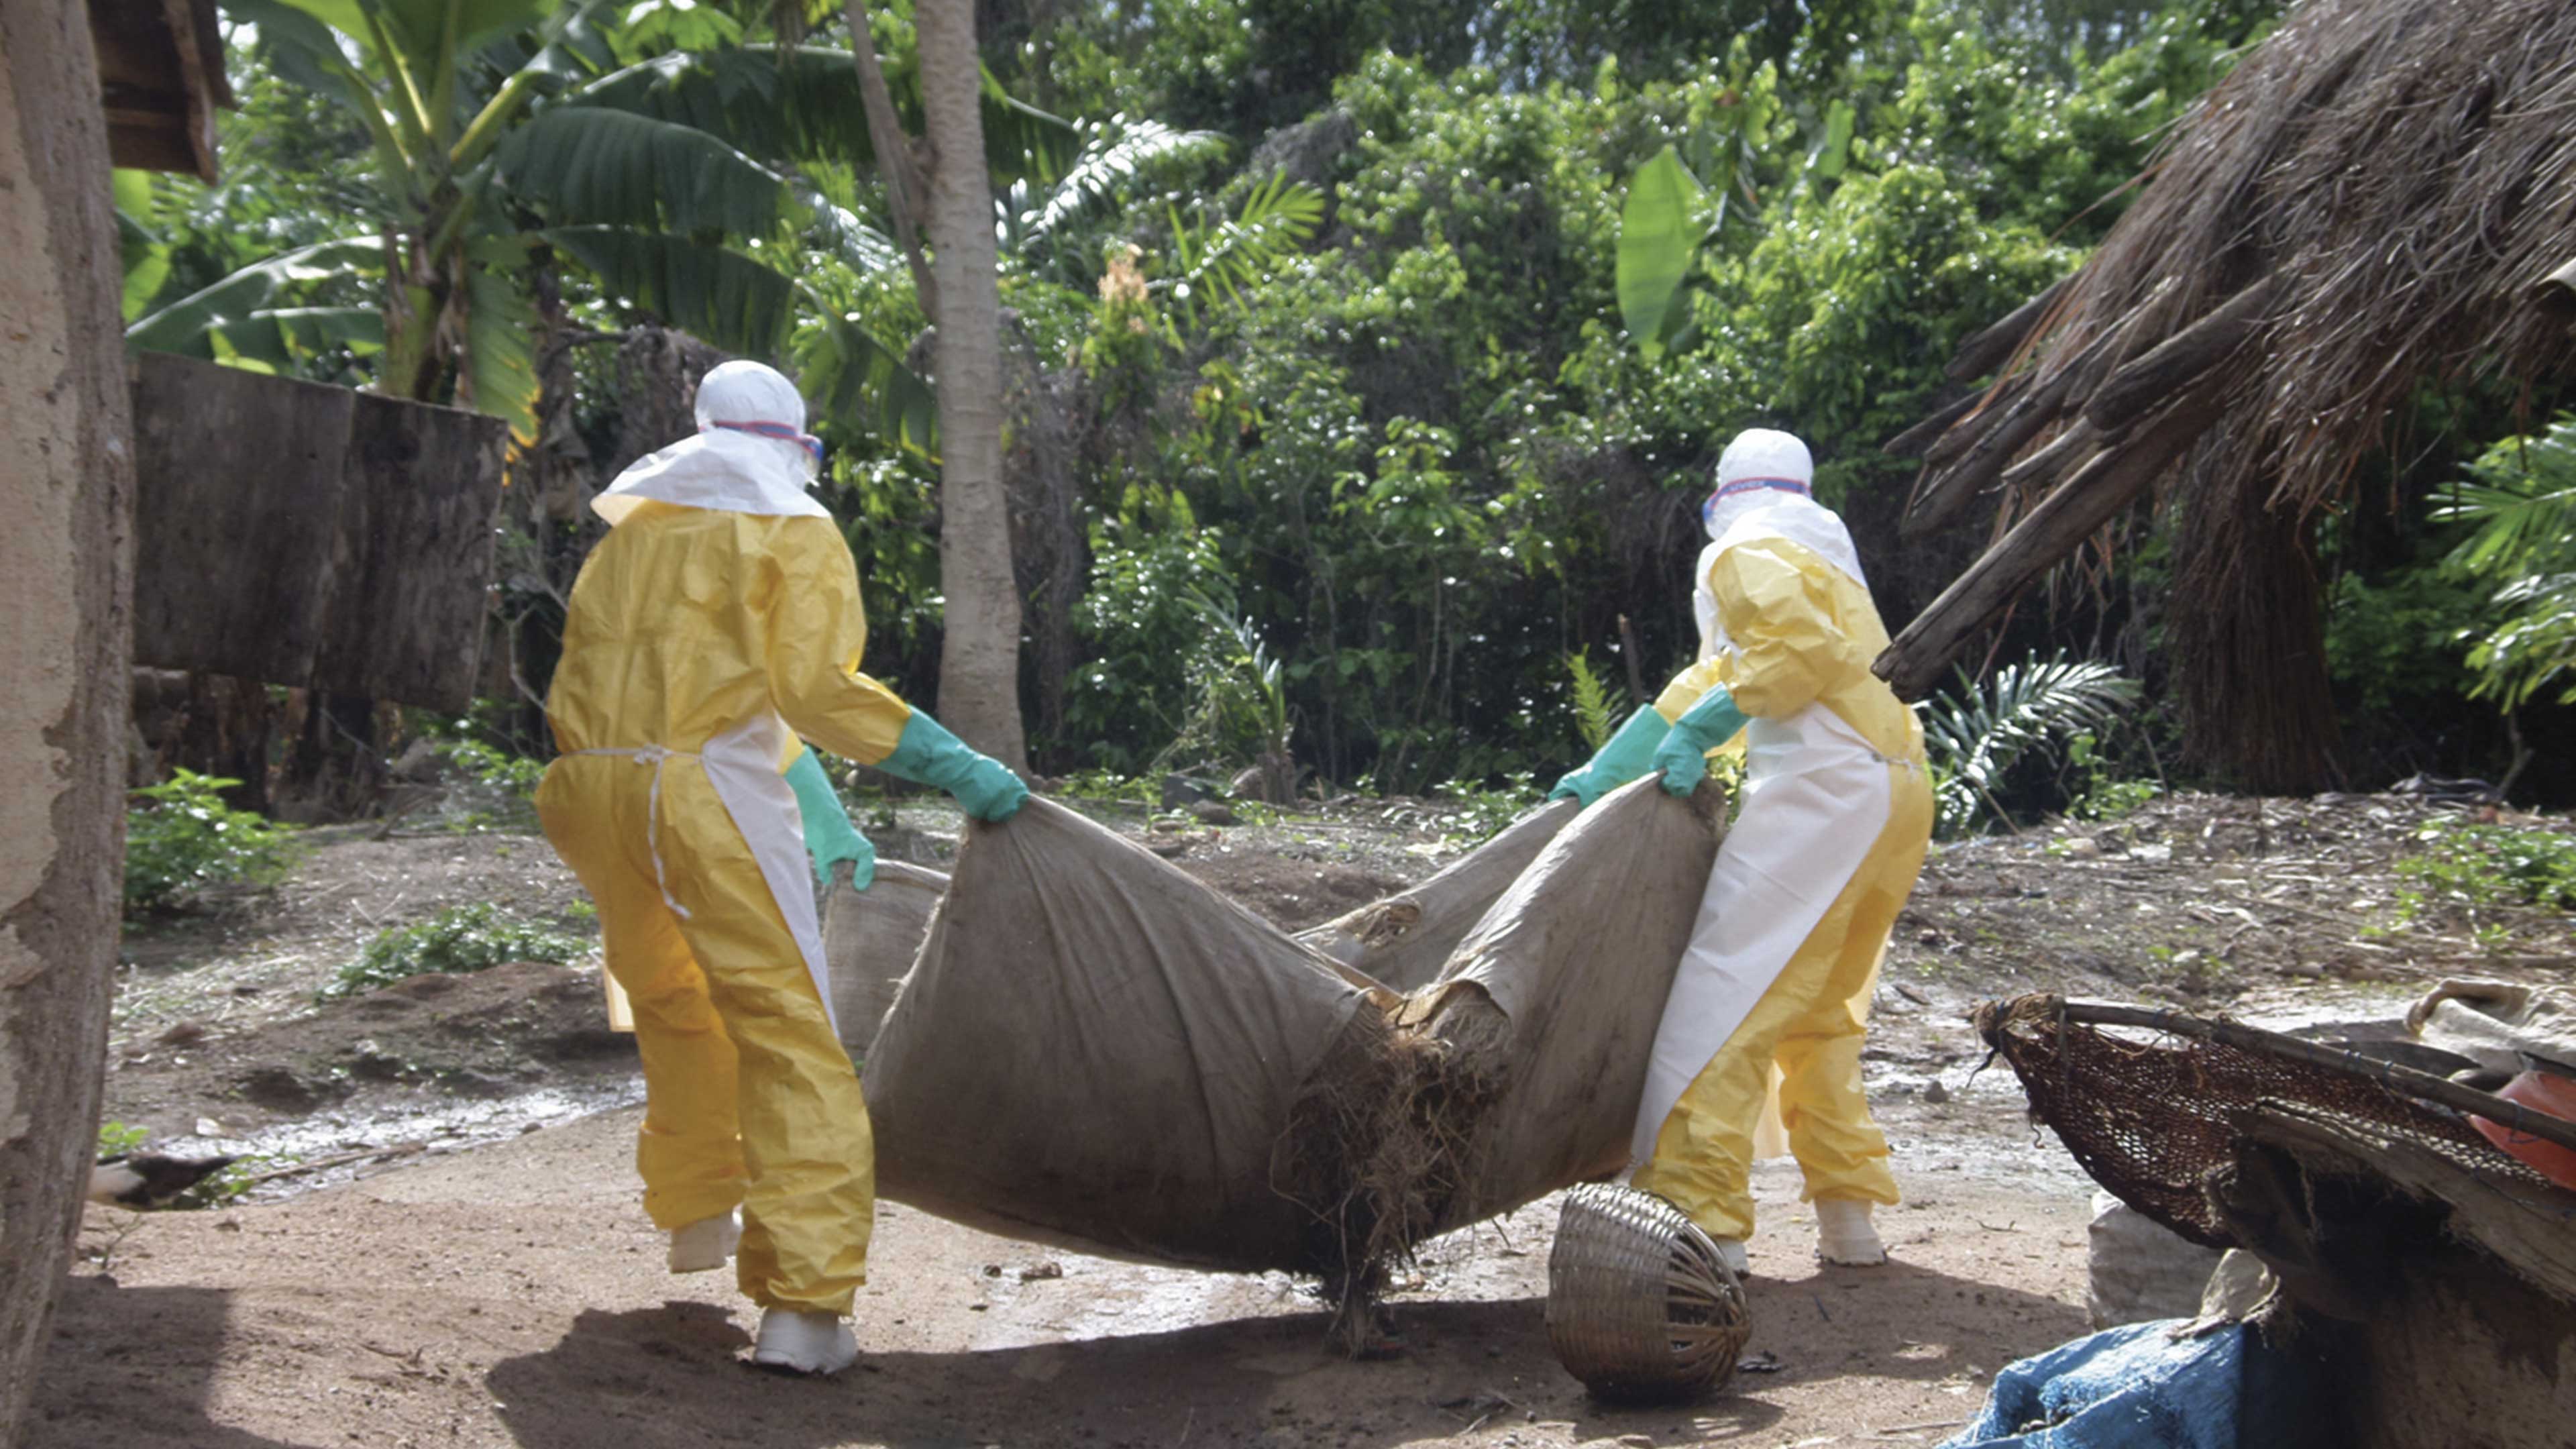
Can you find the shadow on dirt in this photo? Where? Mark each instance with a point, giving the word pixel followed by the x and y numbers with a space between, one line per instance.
pixel 677 1375
pixel 149 1357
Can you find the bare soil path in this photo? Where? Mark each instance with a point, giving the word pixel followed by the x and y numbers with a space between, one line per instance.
pixel 492 1281
pixel 514 1296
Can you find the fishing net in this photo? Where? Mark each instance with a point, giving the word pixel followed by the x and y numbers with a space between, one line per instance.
pixel 2152 1120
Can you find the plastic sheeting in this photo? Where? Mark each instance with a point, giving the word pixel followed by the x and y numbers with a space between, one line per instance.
pixel 2140 1387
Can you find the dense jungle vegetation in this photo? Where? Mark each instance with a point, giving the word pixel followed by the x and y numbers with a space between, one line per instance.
pixel 1329 435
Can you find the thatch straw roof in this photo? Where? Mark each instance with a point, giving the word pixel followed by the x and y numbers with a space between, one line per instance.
pixel 2377 197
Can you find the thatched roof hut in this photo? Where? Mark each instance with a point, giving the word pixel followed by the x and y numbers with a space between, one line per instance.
pixel 2381 195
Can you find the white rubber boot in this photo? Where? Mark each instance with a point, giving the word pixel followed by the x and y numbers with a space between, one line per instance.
pixel 704 1245
pixel 1844 1236
pixel 805 1343
pixel 1730 1251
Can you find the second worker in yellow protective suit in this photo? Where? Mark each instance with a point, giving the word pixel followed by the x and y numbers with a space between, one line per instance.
pixel 717 622
pixel 1837 815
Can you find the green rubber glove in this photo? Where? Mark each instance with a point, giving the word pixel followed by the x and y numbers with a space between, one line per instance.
pixel 1621 758
pixel 829 835
pixel 1683 759
pixel 928 755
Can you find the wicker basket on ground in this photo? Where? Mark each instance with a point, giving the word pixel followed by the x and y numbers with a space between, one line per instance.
pixel 1639 1306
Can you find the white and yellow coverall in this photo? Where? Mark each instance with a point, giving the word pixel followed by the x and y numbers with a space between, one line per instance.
pixel 719 620
pixel 1837 815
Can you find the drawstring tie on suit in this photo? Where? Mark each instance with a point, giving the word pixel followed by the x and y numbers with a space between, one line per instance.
pixel 657 756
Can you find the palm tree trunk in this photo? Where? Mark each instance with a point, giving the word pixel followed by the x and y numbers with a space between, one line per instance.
pixel 68 493
pixel 906 190
pixel 979 665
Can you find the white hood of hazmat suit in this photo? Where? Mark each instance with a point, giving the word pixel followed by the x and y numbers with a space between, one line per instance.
pixel 1763 483
pixel 750 455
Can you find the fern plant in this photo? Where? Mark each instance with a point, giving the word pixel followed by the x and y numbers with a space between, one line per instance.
pixel 1976 733
pixel 1597 706
pixel 2521 508
pixel 1223 260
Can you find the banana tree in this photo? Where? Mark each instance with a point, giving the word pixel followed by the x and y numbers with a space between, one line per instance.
pixel 437 85
pixel 516 132
pixel 1670 218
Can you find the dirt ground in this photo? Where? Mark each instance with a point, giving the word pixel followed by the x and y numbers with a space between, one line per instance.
pixel 446 1248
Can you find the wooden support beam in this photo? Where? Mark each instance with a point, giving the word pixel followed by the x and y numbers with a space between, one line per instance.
pixel 1942 497
pixel 1963 434
pixel 2171 366
pixel 1990 349
pixel 2056 528
pixel 1914 440
pixel 2066 451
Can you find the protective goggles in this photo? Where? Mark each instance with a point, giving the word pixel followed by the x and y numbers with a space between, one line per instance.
pixel 782 433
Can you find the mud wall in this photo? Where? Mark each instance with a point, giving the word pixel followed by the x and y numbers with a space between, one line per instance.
pixel 66 504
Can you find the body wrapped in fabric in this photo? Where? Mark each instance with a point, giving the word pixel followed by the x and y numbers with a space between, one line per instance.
pixel 1095 1050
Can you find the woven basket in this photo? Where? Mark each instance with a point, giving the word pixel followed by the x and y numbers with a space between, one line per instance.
pixel 1639 1306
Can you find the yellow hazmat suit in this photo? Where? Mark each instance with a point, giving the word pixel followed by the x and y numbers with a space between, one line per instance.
pixel 699 635
pixel 1837 817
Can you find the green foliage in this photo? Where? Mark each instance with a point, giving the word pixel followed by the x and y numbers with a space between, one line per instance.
pixel 1115 159
pixel 1107 785
pixel 1660 229
pixel 1147 636
pixel 1469 812
pixel 2521 509
pixel 1369 384
pixel 183 839
pixel 1224 260
pixel 2469 869
pixel 1424 453
pixel 458 940
pixel 1597 706
pixel 502 788
pixel 2393 642
pixel 496 769
pixel 701 189
pixel 1242 710
pixel 2102 794
pixel 1974 733
pixel 116 1137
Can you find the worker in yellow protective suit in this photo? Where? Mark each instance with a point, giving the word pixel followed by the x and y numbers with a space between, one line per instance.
pixel 717 622
pixel 1836 818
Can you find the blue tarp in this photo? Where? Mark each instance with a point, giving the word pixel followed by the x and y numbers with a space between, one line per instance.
pixel 2137 1387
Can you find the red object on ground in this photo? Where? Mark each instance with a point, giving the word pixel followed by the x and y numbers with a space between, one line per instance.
pixel 2544 1092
